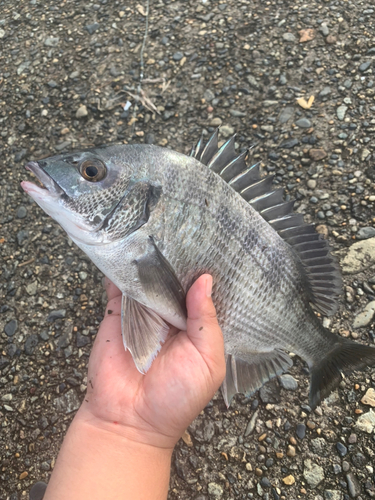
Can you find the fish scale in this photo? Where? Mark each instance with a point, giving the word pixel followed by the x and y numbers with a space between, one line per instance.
pixel 154 220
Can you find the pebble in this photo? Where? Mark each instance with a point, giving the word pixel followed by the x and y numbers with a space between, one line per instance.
pixel 289 37
pixel 216 122
pixel 289 144
pixel 215 490
pixel 333 495
pixel 227 131
pixel 313 473
pixel 319 446
pixel 301 431
pixel 291 451
pixel 58 314
pixel 341 110
pixel 364 66
pixel 365 317
pixel 51 41
pixel 303 123
pixel 68 402
pixel 365 232
pixel 311 183
pixel 360 256
pixel 353 485
pixel 23 475
pixel 177 56
pixel 288 382
pixel 22 237
pixel 270 393
pixel 289 480
pixel 32 288
pixel 366 422
pixel 317 154
pixel 31 343
pixel 81 112
pixel 91 28
pixel 286 114
pixel 11 327
pixel 369 397
pixel 342 449
pixel 208 95
pixel 21 212
pixel 325 92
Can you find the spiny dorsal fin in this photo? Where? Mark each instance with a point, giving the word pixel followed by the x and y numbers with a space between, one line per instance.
pixel 323 277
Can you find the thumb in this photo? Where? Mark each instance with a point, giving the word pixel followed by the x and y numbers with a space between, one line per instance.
pixel 203 328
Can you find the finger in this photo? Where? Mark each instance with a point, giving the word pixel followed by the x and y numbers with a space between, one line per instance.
pixel 111 289
pixel 202 326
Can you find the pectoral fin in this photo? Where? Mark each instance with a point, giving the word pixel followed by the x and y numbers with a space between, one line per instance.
pixel 161 286
pixel 143 332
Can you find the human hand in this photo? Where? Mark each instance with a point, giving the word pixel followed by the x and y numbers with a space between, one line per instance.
pixel 157 407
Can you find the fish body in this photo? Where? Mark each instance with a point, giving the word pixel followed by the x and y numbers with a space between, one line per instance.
pixel 153 220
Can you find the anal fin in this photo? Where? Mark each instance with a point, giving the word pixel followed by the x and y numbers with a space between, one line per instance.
pixel 248 375
pixel 143 332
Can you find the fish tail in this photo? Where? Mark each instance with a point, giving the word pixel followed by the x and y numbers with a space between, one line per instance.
pixel 344 357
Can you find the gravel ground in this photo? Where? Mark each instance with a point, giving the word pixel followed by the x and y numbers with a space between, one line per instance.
pixel 294 79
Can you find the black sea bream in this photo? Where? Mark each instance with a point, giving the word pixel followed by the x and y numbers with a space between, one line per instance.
pixel 154 220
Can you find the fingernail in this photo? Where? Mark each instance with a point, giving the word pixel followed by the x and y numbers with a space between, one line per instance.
pixel 208 286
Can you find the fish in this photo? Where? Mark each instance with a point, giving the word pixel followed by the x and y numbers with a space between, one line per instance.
pixel 153 220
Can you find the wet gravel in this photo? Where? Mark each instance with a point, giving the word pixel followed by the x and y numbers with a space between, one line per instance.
pixel 294 79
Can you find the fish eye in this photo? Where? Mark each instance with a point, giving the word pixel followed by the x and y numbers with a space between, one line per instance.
pixel 93 170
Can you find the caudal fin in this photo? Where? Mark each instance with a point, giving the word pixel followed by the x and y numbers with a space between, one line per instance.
pixel 344 357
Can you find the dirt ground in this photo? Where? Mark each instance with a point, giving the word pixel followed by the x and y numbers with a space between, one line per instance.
pixel 293 79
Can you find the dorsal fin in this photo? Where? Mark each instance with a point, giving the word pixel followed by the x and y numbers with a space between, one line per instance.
pixel 321 269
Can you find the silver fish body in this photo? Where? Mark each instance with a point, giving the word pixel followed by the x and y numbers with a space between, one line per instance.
pixel 159 219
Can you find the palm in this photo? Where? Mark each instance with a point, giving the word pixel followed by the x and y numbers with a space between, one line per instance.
pixel 162 402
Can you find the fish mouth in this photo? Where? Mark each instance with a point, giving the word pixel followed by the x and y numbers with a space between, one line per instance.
pixel 46 181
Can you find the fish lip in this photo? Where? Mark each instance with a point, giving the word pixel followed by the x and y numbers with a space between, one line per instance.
pixel 48 183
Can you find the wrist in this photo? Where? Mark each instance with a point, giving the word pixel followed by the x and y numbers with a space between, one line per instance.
pixel 129 436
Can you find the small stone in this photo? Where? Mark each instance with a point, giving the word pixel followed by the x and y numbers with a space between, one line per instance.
pixel 91 28
pixel 345 466
pixel 270 393
pixel 311 183
pixel 301 431
pixel 30 344
pixel 227 131
pixel 317 154
pixel 365 317
pixel 361 255
pixel 289 144
pixel 342 449
pixel 74 74
pixel 286 114
pixel 81 112
pixel 289 37
pixel 208 95
pixel 288 382
pixel 215 490
pixel 216 122
pixel 365 232
pixel 289 480
pixel 51 41
pixel 364 66
pixel 291 451
pixel 23 475
pixel 253 82
pixel 353 485
pixel 341 110
pixel 11 327
pixel 337 469
pixel 333 495
pixel 52 84
pixel 32 288
pixel 68 402
pixel 359 460
pixel 22 237
pixel 324 29
pixel 366 422
pixel 21 212
pixel 325 92
pixel 177 56
pixel 313 473
pixel 58 314
pixel 303 123
pixel 369 397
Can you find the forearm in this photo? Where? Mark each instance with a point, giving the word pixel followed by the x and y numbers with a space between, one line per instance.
pixel 94 463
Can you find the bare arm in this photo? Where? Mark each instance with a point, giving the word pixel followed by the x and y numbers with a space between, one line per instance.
pixel 120 443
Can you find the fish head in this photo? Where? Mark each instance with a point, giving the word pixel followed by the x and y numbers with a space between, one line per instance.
pixel 80 190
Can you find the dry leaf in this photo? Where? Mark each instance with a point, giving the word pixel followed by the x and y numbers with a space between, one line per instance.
pixel 186 438
pixel 306 104
pixel 306 35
